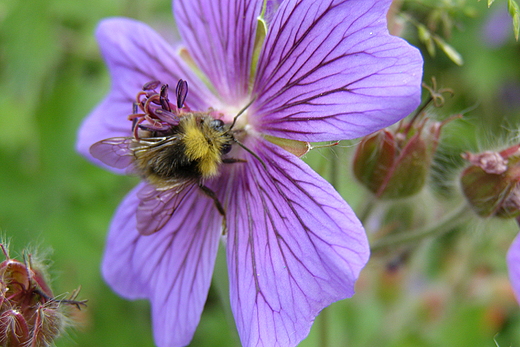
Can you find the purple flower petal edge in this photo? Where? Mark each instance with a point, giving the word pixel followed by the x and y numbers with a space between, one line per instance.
pixel 172 268
pixel 513 264
pixel 294 247
pixel 330 71
pixel 220 37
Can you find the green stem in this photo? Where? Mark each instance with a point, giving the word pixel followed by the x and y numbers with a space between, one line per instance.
pixel 323 327
pixel 446 224
pixel 324 323
pixel 333 167
pixel 221 284
pixel 366 210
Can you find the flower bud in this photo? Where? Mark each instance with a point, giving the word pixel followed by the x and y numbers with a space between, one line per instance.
pixel 29 313
pixel 490 183
pixel 395 163
pixel 13 328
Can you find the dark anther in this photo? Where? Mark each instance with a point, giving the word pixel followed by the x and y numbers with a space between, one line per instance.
pixel 182 92
pixel 151 85
pixel 164 98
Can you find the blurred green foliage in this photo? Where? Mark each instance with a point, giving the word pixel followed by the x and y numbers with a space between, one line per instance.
pixel 452 291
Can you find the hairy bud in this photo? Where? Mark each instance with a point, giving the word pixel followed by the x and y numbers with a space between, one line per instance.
pixel 491 182
pixel 30 315
pixel 395 163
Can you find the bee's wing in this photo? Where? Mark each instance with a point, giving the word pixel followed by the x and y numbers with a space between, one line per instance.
pixel 114 152
pixel 157 206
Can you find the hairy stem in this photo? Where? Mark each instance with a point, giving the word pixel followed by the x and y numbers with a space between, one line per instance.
pixel 444 225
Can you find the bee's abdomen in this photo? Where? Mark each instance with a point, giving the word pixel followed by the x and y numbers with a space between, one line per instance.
pixel 170 163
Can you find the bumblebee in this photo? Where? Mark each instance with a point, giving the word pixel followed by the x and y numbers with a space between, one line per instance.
pixel 194 150
pixel 173 149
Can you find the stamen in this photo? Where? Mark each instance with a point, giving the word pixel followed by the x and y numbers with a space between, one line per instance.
pixel 158 113
pixel 164 98
pixel 181 92
pixel 147 105
pixel 168 117
pixel 152 85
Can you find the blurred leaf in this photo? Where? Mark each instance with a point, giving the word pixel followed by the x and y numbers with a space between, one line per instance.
pixel 514 10
pixel 490 2
pixel 426 37
pixel 449 50
pixel 470 11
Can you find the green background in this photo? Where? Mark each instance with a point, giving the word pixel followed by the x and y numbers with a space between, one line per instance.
pixel 451 291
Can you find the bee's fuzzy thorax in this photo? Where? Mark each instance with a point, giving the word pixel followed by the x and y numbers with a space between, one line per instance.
pixel 203 143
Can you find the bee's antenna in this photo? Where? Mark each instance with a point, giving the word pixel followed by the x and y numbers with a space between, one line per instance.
pixel 252 153
pixel 240 113
pixel 240 143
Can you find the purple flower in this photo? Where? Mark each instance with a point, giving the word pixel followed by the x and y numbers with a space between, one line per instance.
pixel 513 264
pixel 325 71
pixel 498 28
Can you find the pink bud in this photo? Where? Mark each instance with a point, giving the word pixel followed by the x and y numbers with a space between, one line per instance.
pixel 395 163
pixel 14 331
pixel 29 313
pixel 490 183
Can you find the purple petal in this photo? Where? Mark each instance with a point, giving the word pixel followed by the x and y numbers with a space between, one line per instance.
pixel 294 247
pixel 135 55
pixel 513 264
pixel 172 268
pixel 498 27
pixel 106 121
pixel 220 36
pixel 119 252
pixel 329 70
pixel 271 7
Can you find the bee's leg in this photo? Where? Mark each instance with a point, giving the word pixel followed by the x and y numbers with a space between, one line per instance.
pixel 211 194
pixel 233 160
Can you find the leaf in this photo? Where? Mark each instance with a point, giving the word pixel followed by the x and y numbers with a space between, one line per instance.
pixel 426 37
pixel 261 32
pixel 449 50
pixel 490 2
pixel 514 11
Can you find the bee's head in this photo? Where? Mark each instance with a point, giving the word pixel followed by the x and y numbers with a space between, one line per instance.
pixel 219 131
pixel 217 124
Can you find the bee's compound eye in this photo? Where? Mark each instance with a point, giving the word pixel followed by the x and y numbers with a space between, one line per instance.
pixel 225 148
pixel 217 124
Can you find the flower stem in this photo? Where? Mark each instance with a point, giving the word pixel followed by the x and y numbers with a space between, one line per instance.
pixel 444 225
pixel 365 211
pixel 221 284
pixel 323 328
pixel 333 175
